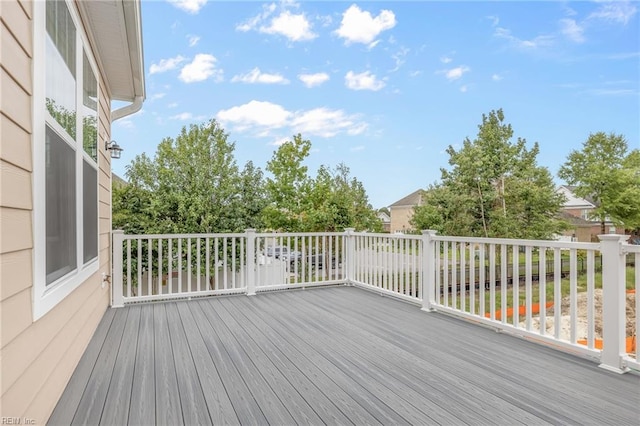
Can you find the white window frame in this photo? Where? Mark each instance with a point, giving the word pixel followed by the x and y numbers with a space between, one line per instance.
pixel 45 297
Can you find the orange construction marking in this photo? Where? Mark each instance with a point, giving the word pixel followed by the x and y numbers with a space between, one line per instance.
pixel 522 310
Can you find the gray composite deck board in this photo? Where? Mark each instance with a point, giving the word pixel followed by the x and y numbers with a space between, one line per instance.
pixel 337 355
pixel 295 404
pixel 142 407
pixel 272 407
pixel 218 403
pixel 522 373
pixel 95 394
pixel 246 408
pixel 309 370
pixel 305 380
pixel 192 401
pixel 63 413
pixel 168 408
pixel 116 406
pixel 393 370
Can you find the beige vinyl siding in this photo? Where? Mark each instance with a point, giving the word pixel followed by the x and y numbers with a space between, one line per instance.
pixel 400 218
pixel 38 357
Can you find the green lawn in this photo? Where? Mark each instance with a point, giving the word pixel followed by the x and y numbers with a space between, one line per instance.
pixel 565 288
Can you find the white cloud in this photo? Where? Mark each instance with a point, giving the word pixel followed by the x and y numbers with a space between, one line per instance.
pixel 535 43
pixel 399 58
pixel 612 92
pixel 253 23
pixel 193 39
pixel 326 123
pixel 494 20
pixel 166 64
pixel 280 141
pixel 157 96
pixel 357 148
pixel 455 73
pixel 363 81
pixel 415 73
pixel 572 30
pixel 464 88
pixel 255 76
pixel 172 105
pixel 312 80
pixel 496 77
pixel 259 114
pixel 293 27
pixel 446 59
pixel 189 6
pixel 186 116
pixel 201 68
pixel 359 26
pixel 619 12
pixel 261 118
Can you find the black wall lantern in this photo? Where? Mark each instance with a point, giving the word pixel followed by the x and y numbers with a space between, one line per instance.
pixel 114 148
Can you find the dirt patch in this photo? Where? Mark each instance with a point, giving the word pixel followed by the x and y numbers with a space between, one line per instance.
pixel 581 319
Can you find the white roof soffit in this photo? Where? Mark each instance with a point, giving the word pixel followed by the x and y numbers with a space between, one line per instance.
pixel 115 30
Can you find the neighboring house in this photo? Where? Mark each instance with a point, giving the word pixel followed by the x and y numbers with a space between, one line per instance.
pixel 587 228
pixel 386 221
pixel 579 229
pixel 574 205
pixel 117 180
pixel 61 65
pixel 402 212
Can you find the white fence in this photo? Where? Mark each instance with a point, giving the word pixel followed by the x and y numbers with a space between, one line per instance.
pixel 580 297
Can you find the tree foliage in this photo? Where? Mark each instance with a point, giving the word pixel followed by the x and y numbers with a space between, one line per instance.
pixel 605 171
pixel 494 188
pixel 288 186
pixel 331 201
pixel 191 185
pixel 338 201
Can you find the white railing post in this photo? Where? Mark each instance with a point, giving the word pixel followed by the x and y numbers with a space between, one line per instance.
pixel 613 303
pixel 117 239
pixel 351 255
pixel 251 262
pixel 428 278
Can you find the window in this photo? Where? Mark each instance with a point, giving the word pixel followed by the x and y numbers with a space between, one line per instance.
pixel 65 155
pixel 61 207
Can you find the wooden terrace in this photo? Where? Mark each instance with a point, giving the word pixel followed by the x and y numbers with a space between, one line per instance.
pixel 334 355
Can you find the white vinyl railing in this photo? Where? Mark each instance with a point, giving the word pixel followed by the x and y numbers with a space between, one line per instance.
pixel 526 286
pixel 572 295
pixel 632 252
pixel 389 263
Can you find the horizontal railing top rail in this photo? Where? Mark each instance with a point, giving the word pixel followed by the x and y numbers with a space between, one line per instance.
pixel 174 236
pixel 389 236
pixel 631 248
pixel 523 243
pixel 297 234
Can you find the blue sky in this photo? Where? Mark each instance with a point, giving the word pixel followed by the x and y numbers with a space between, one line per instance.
pixel 385 87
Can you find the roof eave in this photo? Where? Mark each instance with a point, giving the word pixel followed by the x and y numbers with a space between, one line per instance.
pixel 114 28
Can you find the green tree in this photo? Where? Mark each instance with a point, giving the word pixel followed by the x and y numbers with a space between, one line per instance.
pixel 288 187
pixel 494 188
pixel 132 211
pixel 605 171
pixel 338 201
pixel 385 210
pixel 332 201
pixel 194 186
